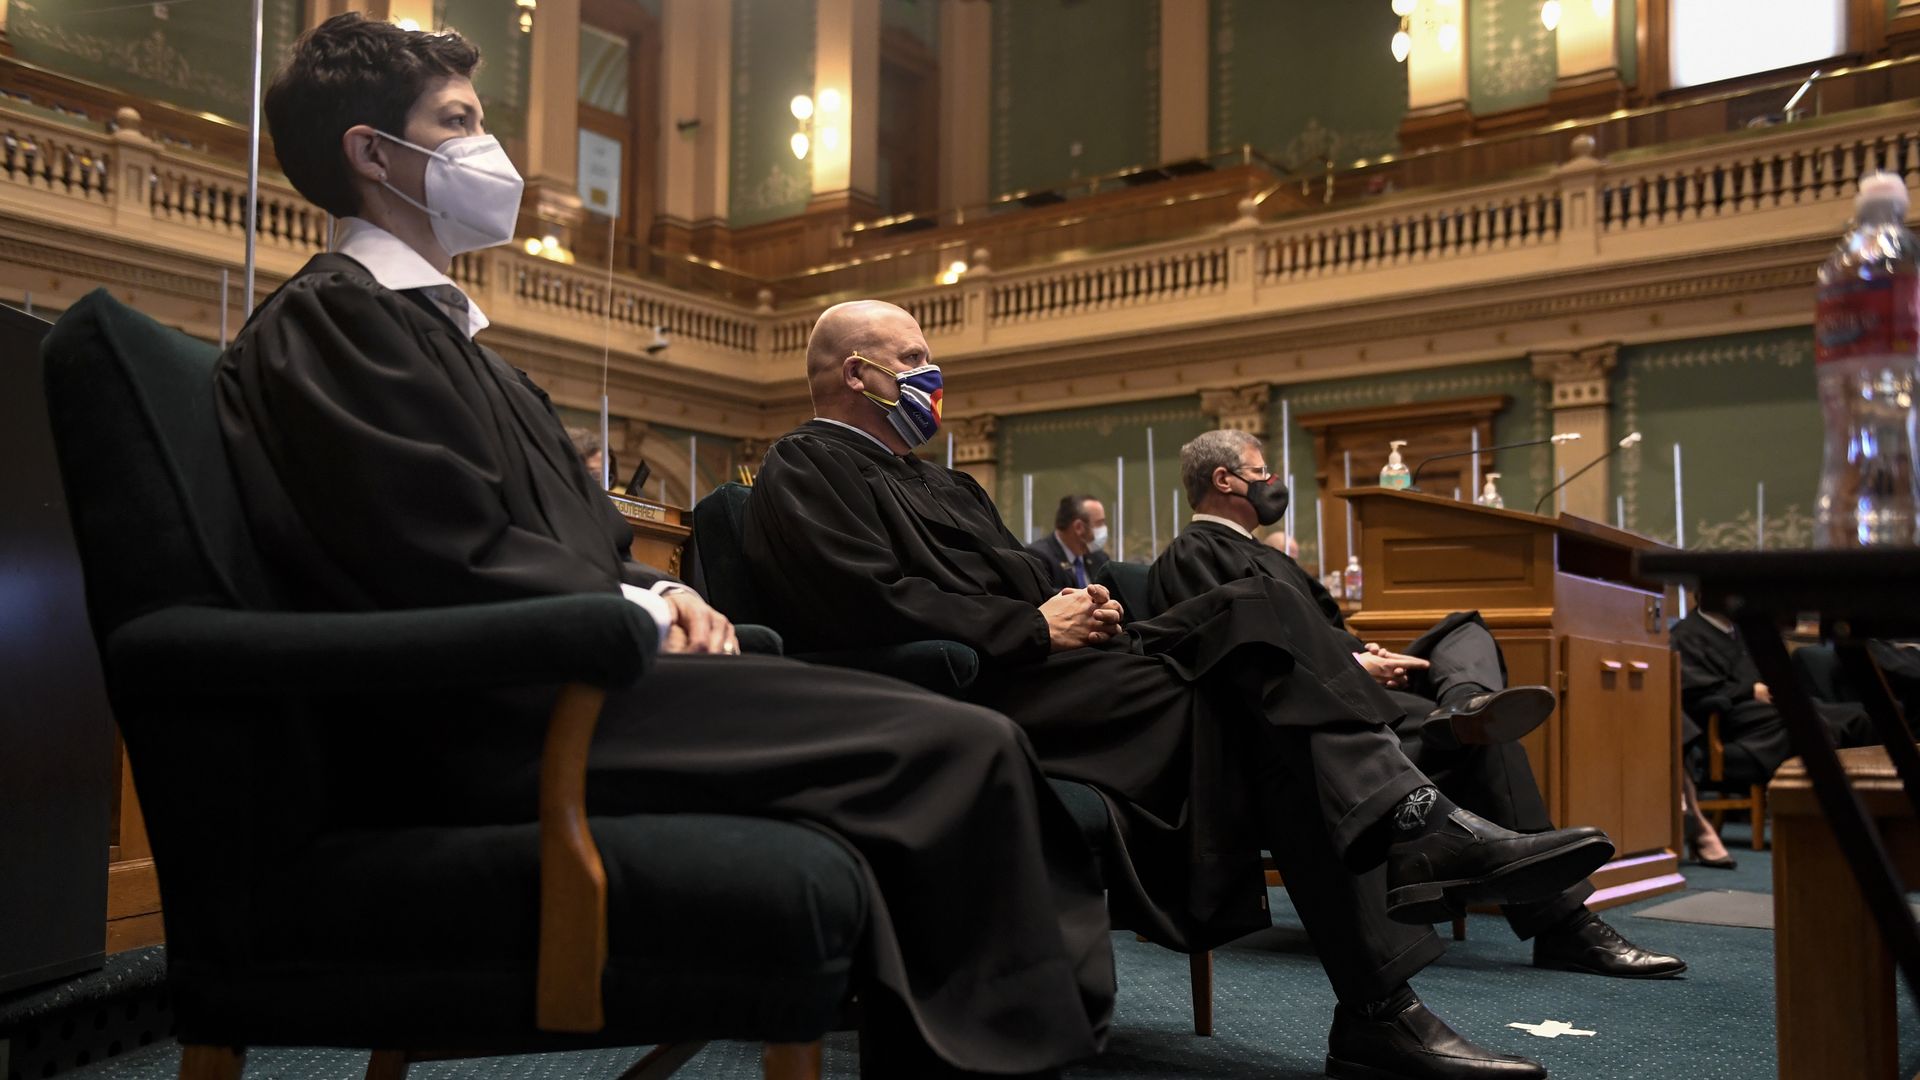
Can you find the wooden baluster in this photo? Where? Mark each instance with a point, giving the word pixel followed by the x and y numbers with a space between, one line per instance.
pixel 1849 177
pixel 1910 160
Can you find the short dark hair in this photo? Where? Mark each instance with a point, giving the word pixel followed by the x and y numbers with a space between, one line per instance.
pixel 1072 508
pixel 351 70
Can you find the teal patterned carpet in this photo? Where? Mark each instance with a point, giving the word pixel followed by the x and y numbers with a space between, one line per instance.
pixel 1273 1006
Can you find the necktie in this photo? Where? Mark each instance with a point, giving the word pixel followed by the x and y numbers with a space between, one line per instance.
pixel 1080 571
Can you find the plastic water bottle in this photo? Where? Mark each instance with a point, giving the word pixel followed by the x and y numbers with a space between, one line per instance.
pixel 1350 580
pixel 1866 350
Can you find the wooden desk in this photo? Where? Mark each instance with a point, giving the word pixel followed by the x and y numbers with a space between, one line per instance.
pixel 659 531
pixel 1834 996
pixel 1561 598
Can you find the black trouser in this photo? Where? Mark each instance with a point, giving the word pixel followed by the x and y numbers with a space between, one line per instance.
pixel 1495 782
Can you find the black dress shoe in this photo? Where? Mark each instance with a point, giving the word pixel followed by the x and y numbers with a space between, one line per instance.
pixel 1598 949
pixel 1414 1045
pixel 1485 719
pixel 1467 859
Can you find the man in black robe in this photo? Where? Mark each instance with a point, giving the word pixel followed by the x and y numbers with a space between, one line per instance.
pixel 1073 552
pixel 387 461
pixel 1717 675
pixel 1209 731
pixel 1462 718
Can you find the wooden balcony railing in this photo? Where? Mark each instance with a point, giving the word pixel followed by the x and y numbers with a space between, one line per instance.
pixel 1787 184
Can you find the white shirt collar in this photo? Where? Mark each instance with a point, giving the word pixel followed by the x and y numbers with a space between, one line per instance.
pixel 1718 622
pixel 1228 522
pixel 867 435
pixel 396 265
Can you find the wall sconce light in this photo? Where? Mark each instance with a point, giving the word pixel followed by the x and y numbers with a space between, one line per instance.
pixel 526 14
pixel 1550 15
pixel 816 120
pixel 407 24
pixel 1449 37
pixel 802 109
pixel 1403 38
pixel 955 270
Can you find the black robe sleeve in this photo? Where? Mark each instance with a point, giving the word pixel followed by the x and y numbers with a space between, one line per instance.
pixel 1712 664
pixel 819 548
pixel 1202 558
pixel 367 439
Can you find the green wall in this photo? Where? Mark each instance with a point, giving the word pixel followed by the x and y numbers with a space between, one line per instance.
pixel 192 55
pixel 1524 473
pixel 772 62
pixel 1510 56
pixel 1626 15
pixel 505 64
pixel 920 18
pixel 1305 80
pixel 1073 451
pixel 1073 75
pixel 1744 410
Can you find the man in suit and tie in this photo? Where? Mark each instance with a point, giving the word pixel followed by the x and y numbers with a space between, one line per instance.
pixel 1077 549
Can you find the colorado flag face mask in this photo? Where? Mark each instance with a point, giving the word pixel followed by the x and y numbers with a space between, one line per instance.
pixel 915 413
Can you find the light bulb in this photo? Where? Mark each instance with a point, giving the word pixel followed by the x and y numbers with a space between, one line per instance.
pixel 1550 14
pixel 957 267
pixel 800 144
pixel 406 24
pixel 801 107
pixel 1402 45
pixel 1449 37
pixel 532 246
pixel 1403 8
pixel 830 100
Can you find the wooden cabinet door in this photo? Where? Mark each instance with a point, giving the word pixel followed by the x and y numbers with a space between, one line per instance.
pixel 1616 757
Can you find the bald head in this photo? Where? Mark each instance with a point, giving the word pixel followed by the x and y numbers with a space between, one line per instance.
pixel 883 334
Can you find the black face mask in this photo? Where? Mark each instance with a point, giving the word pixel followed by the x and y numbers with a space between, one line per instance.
pixel 1269 498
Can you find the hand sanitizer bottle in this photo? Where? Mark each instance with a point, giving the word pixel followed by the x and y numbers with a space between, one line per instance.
pixel 1351 583
pixel 1394 473
pixel 1490 495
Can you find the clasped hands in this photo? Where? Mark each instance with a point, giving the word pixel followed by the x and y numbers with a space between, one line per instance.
pixel 1080 617
pixel 697 627
pixel 1389 669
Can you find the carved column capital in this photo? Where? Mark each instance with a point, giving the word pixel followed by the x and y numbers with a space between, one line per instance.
pixel 1239 408
pixel 1579 379
pixel 973 442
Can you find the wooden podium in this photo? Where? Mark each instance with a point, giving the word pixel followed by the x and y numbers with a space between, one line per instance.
pixel 659 531
pixel 1561 597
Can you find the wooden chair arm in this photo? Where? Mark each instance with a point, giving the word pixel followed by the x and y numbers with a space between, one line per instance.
pixel 1716 750
pixel 573 881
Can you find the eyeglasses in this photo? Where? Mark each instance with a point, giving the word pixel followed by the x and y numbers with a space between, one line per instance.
pixel 1260 475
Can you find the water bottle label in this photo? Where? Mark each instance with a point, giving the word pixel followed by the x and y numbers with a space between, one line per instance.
pixel 1867 318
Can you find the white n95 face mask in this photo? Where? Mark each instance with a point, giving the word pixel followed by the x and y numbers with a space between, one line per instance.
pixel 472 191
pixel 1099 539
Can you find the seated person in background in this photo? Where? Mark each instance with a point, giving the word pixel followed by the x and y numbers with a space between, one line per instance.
pixel 1077 549
pixel 1217 729
pixel 1717 675
pixel 385 460
pixel 587 445
pixel 1898 662
pixel 1461 717
pixel 1282 543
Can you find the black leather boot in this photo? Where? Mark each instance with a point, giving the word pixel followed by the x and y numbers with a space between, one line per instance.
pixel 1466 859
pixel 1414 1044
pixel 1594 948
pixel 1485 719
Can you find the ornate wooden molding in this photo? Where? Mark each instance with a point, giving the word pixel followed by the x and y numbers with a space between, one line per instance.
pixel 1579 379
pixel 1242 408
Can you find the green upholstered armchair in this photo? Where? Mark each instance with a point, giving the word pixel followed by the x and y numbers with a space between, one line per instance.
pixel 284 928
pixel 945 667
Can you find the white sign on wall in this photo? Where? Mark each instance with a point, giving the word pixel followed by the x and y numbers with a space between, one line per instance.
pixel 600 173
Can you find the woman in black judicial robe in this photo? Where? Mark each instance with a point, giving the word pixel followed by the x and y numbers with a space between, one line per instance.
pixel 1714 664
pixel 387 461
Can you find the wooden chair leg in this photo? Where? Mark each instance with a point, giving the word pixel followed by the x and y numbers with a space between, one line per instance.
pixel 790 1061
pixel 1459 928
pixel 388 1065
pixel 1759 813
pixel 212 1062
pixel 1200 968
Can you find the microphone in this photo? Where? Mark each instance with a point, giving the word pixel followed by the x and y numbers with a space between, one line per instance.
pixel 1564 437
pixel 1630 440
